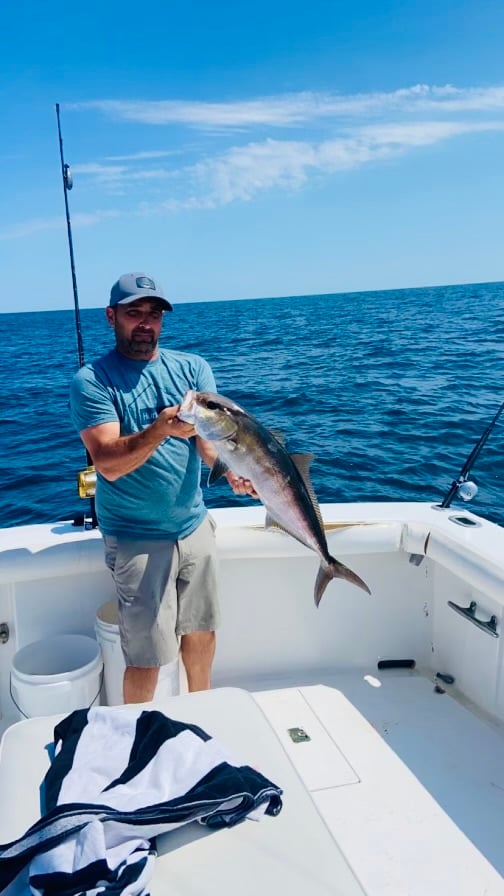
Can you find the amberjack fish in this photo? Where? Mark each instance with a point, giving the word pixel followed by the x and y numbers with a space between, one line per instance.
pixel 248 449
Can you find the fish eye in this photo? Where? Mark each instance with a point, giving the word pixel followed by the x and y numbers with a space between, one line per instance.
pixel 213 406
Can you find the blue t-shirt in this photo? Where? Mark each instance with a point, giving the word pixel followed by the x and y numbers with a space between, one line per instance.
pixel 162 498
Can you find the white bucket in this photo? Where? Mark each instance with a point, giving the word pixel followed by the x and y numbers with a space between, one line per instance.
pixel 56 675
pixel 107 634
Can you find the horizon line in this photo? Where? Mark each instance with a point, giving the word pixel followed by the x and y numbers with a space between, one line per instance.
pixel 302 295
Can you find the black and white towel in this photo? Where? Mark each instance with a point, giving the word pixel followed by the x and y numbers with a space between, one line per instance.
pixel 119 779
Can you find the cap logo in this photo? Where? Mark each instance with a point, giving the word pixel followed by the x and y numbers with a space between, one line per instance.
pixel 145 283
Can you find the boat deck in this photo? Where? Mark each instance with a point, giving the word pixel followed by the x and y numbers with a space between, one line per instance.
pixel 410 781
pixel 406 783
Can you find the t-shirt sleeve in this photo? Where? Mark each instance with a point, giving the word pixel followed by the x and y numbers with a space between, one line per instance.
pixel 90 401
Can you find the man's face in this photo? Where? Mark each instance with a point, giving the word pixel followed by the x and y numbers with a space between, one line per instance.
pixel 137 327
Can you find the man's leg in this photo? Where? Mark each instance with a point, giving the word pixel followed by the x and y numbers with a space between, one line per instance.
pixel 139 684
pixel 198 650
pixel 198 605
pixel 144 573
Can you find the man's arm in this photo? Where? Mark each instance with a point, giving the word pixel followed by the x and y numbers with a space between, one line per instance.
pixel 114 455
pixel 239 485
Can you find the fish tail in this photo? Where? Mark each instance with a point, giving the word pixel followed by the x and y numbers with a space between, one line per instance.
pixel 333 569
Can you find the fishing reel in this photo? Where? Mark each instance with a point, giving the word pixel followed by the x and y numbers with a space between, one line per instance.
pixel 86 482
pixel 466 489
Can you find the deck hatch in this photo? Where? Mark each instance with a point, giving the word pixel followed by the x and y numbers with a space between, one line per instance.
pixel 310 747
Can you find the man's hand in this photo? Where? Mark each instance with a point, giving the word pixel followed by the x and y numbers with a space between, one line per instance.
pixel 240 485
pixel 173 426
pixel 115 455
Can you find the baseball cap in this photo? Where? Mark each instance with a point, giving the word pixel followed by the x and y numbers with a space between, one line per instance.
pixel 134 286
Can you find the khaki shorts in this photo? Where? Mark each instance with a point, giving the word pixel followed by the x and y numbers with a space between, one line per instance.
pixel 164 589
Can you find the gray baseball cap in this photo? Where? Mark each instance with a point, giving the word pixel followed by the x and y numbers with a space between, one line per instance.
pixel 134 286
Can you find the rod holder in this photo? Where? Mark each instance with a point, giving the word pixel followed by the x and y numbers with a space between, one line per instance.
pixel 486 625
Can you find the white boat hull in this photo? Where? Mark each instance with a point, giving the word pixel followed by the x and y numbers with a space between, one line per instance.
pixel 405 770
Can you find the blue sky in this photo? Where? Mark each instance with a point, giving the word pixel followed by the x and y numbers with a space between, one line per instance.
pixel 241 150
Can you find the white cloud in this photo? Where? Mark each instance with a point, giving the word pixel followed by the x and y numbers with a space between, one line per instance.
pixel 33 225
pixel 115 178
pixel 40 225
pixel 148 154
pixel 337 133
pixel 299 108
pixel 88 219
pixel 243 172
pixel 422 133
pixel 100 171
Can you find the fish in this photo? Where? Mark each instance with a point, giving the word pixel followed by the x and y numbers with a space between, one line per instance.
pixel 250 450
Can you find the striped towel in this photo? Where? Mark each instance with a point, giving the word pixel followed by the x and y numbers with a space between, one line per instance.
pixel 117 780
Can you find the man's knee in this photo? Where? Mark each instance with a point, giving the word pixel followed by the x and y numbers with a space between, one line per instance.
pixel 197 641
pixel 139 683
pixel 198 649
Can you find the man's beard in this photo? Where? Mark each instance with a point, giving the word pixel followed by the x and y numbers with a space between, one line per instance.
pixel 143 344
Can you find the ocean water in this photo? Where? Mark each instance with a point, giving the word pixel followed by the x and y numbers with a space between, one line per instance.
pixel 389 390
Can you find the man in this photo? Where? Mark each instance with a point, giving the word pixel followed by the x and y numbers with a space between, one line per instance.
pixel 159 538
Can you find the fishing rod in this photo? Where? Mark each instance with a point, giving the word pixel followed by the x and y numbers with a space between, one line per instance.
pixel 86 479
pixel 67 186
pixel 461 486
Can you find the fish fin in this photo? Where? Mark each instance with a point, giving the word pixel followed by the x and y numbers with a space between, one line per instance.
pixel 348 524
pixel 335 570
pixel 302 463
pixel 271 523
pixel 219 469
